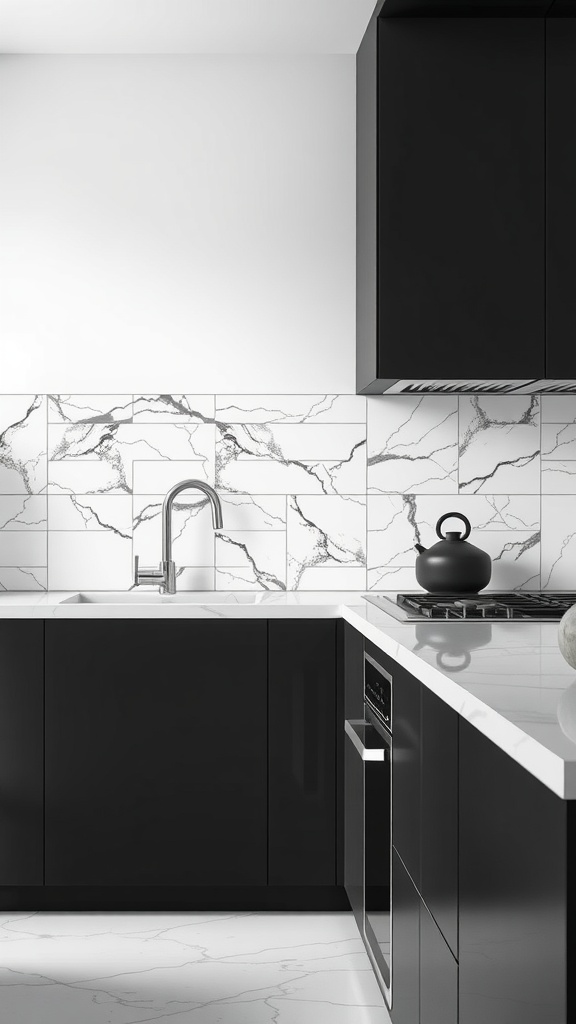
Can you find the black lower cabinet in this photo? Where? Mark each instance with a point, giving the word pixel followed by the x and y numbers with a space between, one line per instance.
pixel 439 814
pixel 21 752
pixel 354 830
pixel 438 975
pixel 515 911
pixel 405 946
pixel 156 753
pixel 353 672
pixel 353 782
pixel 424 971
pixel 302 752
pixel 406 768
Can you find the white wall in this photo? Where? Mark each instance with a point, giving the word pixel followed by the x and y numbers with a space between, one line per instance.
pixel 177 223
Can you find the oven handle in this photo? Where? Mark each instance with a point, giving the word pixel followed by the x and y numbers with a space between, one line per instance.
pixel 356 730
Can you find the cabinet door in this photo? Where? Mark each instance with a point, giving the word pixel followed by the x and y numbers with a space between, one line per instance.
pixel 461 198
pixel 560 194
pixel 438 975
pixel 354 830
pixel 350 705
pixel 439 814
pixel 302 752
pixel 156 752
pixel 405 946
pixel 512 890
pixel 406 769
pixel 21 752
pixel 353 672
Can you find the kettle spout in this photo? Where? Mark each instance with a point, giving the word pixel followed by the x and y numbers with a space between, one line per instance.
pixel 419 548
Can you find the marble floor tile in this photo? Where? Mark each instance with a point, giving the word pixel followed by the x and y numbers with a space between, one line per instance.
pixel 210 968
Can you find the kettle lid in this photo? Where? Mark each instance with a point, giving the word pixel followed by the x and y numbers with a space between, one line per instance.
pixel 453 535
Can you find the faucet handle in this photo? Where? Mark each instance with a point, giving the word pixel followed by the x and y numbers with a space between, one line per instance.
pixel 147 577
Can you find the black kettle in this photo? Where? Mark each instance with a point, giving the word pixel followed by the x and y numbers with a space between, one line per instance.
pixel 452 566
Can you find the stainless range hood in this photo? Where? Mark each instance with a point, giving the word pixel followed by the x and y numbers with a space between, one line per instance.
pixel 478 387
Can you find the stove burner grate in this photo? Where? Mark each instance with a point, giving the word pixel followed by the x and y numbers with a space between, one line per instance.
pixel 513 605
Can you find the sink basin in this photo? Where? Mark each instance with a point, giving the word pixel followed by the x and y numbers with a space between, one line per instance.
pixel 153 597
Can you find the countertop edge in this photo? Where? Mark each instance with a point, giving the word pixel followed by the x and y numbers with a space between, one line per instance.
pixel 549 768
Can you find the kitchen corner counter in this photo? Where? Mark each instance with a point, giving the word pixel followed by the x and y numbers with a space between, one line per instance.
pixel 509 680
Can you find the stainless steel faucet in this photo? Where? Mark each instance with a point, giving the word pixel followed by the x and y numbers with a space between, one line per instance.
pixel 165 576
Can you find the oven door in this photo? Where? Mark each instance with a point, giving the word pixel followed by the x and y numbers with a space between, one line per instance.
pixel 368 839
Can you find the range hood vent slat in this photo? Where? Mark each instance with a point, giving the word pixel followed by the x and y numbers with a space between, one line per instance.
pixel 480 387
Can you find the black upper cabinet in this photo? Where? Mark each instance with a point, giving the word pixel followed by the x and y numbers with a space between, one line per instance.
pixel 21 752
pixel 302 753
pixel 560 191
pixel 451 200
pixel 156 753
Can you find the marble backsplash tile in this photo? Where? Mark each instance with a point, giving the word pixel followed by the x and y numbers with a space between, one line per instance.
pixel 319 492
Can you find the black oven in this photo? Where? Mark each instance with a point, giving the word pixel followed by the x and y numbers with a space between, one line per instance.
pixel 368 837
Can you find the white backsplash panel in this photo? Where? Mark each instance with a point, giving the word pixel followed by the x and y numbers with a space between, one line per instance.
pixel 319 492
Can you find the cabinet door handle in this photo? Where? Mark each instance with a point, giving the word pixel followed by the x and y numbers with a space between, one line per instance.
pixel 359 732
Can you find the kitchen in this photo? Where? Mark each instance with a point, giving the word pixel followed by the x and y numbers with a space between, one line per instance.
pixel 209 199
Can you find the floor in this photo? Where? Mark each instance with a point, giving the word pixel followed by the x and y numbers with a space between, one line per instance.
pixel 211 968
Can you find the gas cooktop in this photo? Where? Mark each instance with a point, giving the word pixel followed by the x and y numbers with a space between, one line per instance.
pixel 489 607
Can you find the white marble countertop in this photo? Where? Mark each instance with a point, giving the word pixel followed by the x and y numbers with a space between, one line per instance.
pixel 507 679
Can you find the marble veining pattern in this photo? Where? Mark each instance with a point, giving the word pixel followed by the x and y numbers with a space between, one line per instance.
pixel 499 444
pixel 320 492
pixel 412 445
pixel 183 968
pixel 22 444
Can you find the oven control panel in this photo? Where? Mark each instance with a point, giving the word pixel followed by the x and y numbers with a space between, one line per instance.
pixel 378 690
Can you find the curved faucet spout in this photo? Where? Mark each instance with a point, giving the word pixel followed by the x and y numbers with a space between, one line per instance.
pixel 186 485
pixel 165 576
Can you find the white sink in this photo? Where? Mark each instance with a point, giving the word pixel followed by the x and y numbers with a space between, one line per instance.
pixel 153 597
